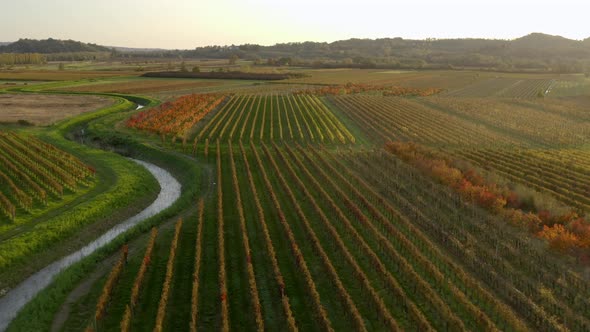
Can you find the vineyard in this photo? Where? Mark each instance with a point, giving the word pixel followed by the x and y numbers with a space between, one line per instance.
pixel 563 174
pixel 505 88
pixel 348 240
pixel 526 121
pixel 386 118
pixel 33 173
pixel 275 118
pixel 392 203
pixel 175 118
pixel 254 118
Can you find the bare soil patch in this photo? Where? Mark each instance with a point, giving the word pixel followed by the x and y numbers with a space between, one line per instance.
pixel 41 109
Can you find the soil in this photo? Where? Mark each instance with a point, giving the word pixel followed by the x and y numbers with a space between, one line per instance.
pixel 41 109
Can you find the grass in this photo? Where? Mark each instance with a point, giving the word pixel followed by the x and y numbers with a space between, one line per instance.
pixel 122 189
pixel 423 228
pixel 43 109
pixel 38 314
pixel 59 75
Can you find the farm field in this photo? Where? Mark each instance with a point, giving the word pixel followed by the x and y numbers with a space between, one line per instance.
pixel 409 78
pixel 464 210
pixel 34 172
pixel 505 88
pixel 334 228
pixel 561 173
pixel 58 75
pixel 45 109
pixel 389 118
pixel 536 122
pixel 140 86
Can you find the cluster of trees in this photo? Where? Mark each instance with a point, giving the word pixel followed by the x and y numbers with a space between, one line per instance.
pixel 535 52
pixel 9 59
pixel 78 56
pixel 51 45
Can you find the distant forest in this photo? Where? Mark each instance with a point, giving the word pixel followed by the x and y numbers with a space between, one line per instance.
pixel 535 52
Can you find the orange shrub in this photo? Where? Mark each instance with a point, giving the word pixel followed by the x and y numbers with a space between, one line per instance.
pixel 564 233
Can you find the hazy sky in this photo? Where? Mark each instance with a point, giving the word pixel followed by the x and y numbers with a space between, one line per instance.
pixel 189 23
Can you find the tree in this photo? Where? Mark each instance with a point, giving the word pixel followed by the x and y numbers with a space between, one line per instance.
pixel 196 69
pixel 183 67
pixel 284 61
pixel 233 59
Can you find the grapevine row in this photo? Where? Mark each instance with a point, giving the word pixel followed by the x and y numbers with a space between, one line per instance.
pixel 168 280
pixel 251 277
pixel 320 310
pixel 269 245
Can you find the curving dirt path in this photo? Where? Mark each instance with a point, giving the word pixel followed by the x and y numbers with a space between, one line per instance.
pixel 19 296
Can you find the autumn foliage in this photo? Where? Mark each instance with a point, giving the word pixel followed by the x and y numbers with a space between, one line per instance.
pixel 353 88
pixel 168 279
pixel 176 118
pixel 107 290
pixel 32 171
pixel 566 233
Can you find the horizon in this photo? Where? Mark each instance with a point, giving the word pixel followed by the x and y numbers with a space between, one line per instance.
pixel 290 42
pixel 151 24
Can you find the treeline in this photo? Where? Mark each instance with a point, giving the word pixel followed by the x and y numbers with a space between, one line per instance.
pixel 78 56
pixel 51 45
pixel 9 59
pixel 535 52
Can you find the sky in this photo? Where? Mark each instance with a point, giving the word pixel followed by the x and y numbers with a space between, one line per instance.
pixel 185 24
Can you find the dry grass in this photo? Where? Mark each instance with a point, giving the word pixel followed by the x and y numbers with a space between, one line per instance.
pixel 57 75
pixel 46 109
pixel 142 86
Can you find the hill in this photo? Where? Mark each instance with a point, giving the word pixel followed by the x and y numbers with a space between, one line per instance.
pixel 534 52
pixel 49 46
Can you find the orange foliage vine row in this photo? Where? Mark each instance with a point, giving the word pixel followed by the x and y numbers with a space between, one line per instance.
pixel 353 88
pixel 176 118
pixel 108 287
pixel 568 233
pixel 168 281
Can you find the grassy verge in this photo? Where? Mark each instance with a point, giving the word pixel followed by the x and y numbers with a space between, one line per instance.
pixel 38 314
pixel 122 189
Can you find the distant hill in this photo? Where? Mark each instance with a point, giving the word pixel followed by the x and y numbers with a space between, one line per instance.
pixel 541 40
pixel 135 49
pixel 535 52
pixel 538 44
pixel 49 46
